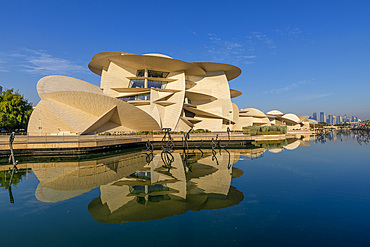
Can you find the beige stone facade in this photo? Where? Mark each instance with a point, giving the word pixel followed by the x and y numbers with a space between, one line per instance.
pixel 292 121
pixel 144 93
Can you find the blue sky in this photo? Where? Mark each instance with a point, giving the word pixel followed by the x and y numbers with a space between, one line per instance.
pixel 295 56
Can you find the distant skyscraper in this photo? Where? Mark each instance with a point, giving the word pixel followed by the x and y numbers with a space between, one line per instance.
pixel 314 116
pixel 340 119
pixel 330 119
pixel 1 88
pixel 334 120
pixel 322 117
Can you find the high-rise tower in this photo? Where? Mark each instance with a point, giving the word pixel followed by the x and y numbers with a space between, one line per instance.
pixel 314 116
pixel 322 117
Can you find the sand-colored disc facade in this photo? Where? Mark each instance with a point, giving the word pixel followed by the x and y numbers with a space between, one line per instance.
pixel 145 93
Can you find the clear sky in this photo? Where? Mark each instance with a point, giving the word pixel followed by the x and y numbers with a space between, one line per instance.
pixel 295 56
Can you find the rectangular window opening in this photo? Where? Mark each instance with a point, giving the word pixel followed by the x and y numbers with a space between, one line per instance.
pixel 158 74
pixel 140 73
pixel 137 84
pixel 157 84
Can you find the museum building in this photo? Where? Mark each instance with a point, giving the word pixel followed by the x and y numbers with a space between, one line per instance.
pixel 142 93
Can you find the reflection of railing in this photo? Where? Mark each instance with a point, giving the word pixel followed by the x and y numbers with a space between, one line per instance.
pixel 322 135
pixel 228 136
pixel 167 147
pixel 229 161
pixel 167 141
pixel 167 159
pixel 361 136
pixel 11 157
pixel 15 169
pixel 185 145
pixel 217 144
pixel 149 146
pixel 11 176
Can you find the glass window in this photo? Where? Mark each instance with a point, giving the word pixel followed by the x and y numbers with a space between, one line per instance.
pixel 137 97
pixel 124 99
pixel 141 200
pixel 152 73
pixel 158 198
pixel 157 84
pixel 136 189
pixel 137 84
pixel 160 74
pixel 142 97
pixel 142 175
pixel 140 73
pixel 189 114
pixel 157 187
pixel 151 198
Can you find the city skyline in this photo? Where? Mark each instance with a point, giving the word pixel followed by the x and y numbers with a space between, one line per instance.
pixel 294 56
pixel 334 118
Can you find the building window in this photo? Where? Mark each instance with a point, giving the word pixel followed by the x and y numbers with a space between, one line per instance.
pixel 189 114
pixel 137 97
pixel 141 83
pixel 152 73
pixel 141 175
pixel 137 189
pixel 137 84
pixel 141 97
pixel 140 73
pixel 158 74
pixel 156 198
pixel 157 84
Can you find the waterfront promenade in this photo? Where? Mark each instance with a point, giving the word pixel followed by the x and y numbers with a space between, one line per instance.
pixel 39 145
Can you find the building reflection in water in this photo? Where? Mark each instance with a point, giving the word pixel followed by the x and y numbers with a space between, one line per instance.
pixel 277 146
pixel 141 187
pixel 156 192
pixel 362 136
pixel 64 180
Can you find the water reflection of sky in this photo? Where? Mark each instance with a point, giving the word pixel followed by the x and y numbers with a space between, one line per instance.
pixel 306 194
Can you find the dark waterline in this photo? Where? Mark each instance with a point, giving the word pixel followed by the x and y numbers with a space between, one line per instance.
pixel 312 195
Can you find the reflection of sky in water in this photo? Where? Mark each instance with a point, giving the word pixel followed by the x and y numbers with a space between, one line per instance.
pixel 307 195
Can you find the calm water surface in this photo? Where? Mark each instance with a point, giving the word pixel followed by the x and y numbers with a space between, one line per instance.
pixel 299 194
